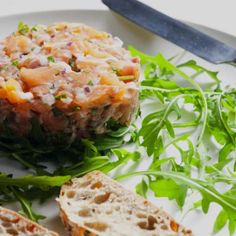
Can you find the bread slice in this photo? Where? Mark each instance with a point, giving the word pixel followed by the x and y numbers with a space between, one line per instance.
pixel 11 223
pixel 96 205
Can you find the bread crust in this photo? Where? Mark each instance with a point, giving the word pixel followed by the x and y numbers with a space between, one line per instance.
pixel 12 222
pixel 73 229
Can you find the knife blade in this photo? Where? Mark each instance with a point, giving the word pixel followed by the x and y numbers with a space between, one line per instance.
pixel 174 31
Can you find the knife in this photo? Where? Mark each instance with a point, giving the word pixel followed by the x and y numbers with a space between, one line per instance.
pixel 174 31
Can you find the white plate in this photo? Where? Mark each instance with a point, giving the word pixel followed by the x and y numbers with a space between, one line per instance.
pixel 144 41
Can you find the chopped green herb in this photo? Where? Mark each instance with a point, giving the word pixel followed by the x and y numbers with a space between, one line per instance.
pixel 72 63
pixel 51 59
pixel 34 29
pixel 15 63
pixel 76 108
pixel 126 77
pixel 61 97
pixel 90 83
pixel 23 28
pixel 114 70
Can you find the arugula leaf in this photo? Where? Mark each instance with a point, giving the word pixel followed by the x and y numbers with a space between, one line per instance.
pixel 220 221
pixel 169 188
pixel 26 207
pixel 107 142
pixel 166 67
pixel 87 165
pixel 213 109
pixel 209 194
pixel 122 157
pixel 37 181
pixel 199 69
pixel 154 123
pixel 21 189
pixel 142 188
pixel 170 128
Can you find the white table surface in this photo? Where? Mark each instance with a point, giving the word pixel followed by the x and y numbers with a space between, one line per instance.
pixel 217 14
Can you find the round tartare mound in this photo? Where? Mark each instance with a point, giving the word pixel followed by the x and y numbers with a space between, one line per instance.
pixel 67 77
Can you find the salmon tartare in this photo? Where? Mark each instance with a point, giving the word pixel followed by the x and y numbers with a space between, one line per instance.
pixel 68 77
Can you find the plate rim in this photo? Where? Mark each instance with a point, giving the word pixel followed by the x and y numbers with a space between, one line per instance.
pixel 106 11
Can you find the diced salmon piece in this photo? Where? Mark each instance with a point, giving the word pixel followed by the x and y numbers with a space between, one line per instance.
pixel 81 79
pixel 3 93
pixel 18 44
pixel 40 89
pixel 31 63
pixel 100 96
pixel 13 97
pixel 129 70
pixel 38 76
pixel 105 80
pixel 13 90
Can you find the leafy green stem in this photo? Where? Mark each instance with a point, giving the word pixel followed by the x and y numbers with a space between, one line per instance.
pixel 190 182
pixel 204 102
pixel 227 129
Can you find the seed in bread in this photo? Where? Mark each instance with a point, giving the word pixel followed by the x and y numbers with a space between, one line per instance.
pixel 11 223
pixel 97 205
